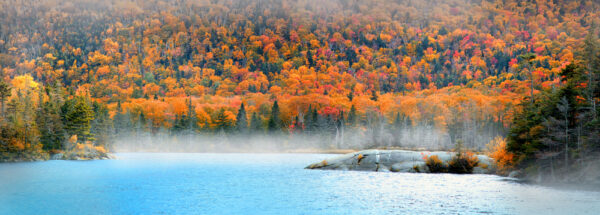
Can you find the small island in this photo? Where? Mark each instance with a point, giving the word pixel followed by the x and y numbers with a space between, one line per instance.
pixel 408 161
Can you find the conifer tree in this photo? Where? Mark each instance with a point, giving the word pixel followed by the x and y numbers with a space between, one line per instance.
pixel 242 120
pixel 274 121
pixel 77 116
pixel 352 116
pixel 50 125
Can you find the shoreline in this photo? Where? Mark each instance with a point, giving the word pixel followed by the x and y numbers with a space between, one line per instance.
pixel 251 151
pixel 387 160
pixel 522 179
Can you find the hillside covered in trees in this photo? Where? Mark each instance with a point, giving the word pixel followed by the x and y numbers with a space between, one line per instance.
pixel 335 74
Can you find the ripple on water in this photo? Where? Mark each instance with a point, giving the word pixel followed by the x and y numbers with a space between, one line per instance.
pixel 264 184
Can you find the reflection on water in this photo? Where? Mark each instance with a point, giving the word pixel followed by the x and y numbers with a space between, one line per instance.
pixel 264 184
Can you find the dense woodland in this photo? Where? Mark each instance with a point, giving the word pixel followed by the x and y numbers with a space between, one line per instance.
pixel 338 74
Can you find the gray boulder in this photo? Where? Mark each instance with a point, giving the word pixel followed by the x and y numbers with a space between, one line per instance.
pixel 409 166
pixel 57 156
pixel 391 160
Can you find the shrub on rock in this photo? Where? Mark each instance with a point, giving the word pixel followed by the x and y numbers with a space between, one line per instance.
pixel 435 165
pixel 463 162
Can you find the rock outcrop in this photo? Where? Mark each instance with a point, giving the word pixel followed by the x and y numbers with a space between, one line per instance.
pixel 392 160
pixel 84 152
pixel 85 156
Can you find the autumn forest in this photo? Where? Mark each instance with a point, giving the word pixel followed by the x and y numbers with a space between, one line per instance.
pixel 343 74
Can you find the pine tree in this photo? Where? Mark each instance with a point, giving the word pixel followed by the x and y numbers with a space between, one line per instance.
pixel 352 116
pixel 77 116
pixel 550 120
pixel 222 122
pixel 274 121
pixel 50 124
pixel 314 120
pixel 242 120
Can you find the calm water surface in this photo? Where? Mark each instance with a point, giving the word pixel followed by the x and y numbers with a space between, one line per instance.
pixel 264 184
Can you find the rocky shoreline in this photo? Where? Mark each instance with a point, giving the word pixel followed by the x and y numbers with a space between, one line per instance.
pixel 394 161
pixel 73 155
pixel 62 156
pixel 81 157
pixel 585 178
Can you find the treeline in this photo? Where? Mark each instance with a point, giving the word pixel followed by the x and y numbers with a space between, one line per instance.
pixel 37 120
pixel 558 131
pixel 383 73
pixel 316 127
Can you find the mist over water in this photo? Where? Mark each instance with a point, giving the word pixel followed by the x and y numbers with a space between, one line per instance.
pixel 415 138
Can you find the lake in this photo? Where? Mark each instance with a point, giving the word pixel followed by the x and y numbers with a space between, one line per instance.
pixel 197 183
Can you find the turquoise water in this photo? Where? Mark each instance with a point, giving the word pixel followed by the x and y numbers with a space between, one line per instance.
pixel 264 184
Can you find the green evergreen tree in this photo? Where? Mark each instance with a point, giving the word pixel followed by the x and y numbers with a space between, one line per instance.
pixel 314 120
pixel 352 116
pixel 222 123
pixel 535 130
pixel 242 120
pixel 50 124
pixel 274 121
pixel 77 116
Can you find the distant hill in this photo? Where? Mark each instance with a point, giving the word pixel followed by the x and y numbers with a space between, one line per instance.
pixel 449 69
